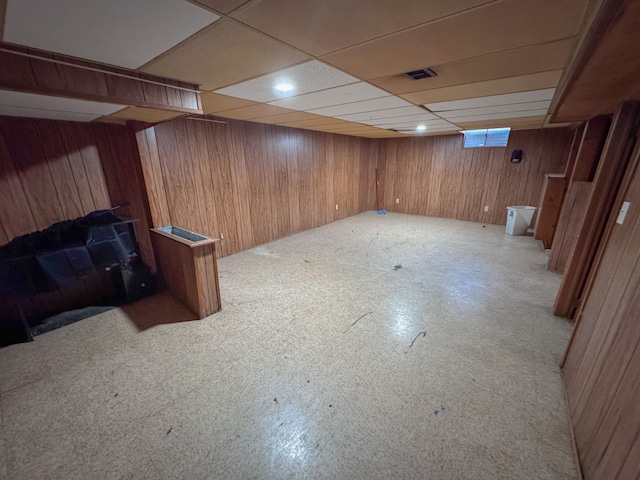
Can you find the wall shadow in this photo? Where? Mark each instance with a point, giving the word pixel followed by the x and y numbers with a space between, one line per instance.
pixel 159 309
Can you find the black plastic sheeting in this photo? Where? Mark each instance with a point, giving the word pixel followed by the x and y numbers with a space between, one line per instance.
pixel 67 251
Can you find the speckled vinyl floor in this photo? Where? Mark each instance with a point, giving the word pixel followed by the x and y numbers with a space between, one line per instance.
pixel 376 347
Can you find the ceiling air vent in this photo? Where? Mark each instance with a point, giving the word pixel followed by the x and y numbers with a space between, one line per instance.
pixel 424 73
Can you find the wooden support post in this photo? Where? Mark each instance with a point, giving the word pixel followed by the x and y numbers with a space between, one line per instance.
pixel 615 157
pixel 145 139
pixel 575 148
pixel 591 145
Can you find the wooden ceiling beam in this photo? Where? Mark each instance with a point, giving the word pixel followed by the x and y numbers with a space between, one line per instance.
pixel 35 71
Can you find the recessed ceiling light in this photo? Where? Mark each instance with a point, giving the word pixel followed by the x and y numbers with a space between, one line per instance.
pixel 421 128
pixel 284 87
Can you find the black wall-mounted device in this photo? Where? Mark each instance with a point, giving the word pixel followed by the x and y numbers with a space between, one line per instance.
pixel 516 156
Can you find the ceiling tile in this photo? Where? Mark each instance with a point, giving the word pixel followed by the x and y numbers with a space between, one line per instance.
pixel 253 111
pixel 480 31
pixel 488 101
pixel 150 115
pixel 429 134
pixel 314 122
pixel 119 32
pixel 223 54
pixel 403 122
pixel 514 123
pixel 20 104
pixel 306 77
pixel 212 102
pixel 504 115
pixel 354 92
pixel 222 6
pixel 536 81
pixel 351 127
pixel 382 103
pixel 288 117
pixel 412 127
pixel 515 107
pixel 509 63
pixel 386 113
pixel 319 27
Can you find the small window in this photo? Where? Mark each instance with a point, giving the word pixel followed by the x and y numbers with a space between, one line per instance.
pixel 487 137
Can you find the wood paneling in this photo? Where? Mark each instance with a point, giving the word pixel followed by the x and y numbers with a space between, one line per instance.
pixel 606 67
pixel 436 176
pixel 603 362
pixel 52 171
pixel 611 166
pixel 573 209
pixel 549 207
pixel 190 271
pixel 147 149
pixel 253 183
pixel 71 77
pixel 591 145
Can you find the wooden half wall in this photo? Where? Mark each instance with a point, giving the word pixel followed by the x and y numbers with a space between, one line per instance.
pixel 248 183
pixel 436 176
pixel 52 171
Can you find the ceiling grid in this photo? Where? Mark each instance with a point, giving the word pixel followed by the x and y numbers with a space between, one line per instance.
pixel 344 61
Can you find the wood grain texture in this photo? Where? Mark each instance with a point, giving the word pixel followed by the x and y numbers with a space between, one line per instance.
pixel 575 148
pixel 550 205
pixel 436 176
pixel 605 69
pixel 52 171
pixel 253 183
pixel 72 79
pixel 615 156
pixel 591 145
pixel 603 362
pixel 571 215
pixel 190 273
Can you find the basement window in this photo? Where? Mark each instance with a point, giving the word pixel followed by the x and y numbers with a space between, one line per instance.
pixel 487 137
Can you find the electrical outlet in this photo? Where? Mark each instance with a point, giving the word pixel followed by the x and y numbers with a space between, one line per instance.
pixel 221 236
pixel 336 206
pixel 486 208
pixel 397 200
pixel 623 212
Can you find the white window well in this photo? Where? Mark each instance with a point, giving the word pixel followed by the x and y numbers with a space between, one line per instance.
pixel 487 137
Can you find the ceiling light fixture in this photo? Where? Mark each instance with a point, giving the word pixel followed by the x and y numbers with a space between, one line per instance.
pixel 421 128
pixel 284 87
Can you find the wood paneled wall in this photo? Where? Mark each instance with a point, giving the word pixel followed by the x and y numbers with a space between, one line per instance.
pixel 436 176
pixel 254 182
pixel 602 368
pixel 52 171
pixel 573 210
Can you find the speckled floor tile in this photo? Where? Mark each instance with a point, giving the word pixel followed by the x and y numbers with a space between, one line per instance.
pixel 376 347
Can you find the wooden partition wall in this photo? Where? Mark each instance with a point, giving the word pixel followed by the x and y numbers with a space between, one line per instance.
pixel 248 183
pixel 52 171
pixel 603 361
pixel 436 176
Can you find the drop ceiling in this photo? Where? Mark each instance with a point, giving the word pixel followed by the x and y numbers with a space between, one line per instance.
pixel 498 61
